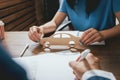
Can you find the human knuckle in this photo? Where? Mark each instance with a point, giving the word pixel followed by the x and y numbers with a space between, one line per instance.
pixel 33 32
pixel 96 60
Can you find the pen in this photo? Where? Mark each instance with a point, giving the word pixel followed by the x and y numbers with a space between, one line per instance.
pixel 23 51
pixel 83 54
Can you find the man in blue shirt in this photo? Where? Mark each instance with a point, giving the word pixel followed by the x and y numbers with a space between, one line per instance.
pixel 95 17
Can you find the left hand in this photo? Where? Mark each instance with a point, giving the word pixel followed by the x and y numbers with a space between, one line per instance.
pixel 91 35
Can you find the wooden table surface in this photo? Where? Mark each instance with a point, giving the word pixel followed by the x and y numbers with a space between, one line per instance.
pixel 15 42
pixel 109 54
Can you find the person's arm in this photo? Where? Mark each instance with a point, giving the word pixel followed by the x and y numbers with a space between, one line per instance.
pixel 113 31
pixel 98 75
pixel 92 35
pixel 36 32
pixel 10 70
pixel 54 23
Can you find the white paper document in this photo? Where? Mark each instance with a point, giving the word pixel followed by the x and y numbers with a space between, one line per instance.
pixel 50 66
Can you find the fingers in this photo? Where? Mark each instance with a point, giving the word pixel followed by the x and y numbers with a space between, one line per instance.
pixel 85 34
pixel 75 66
pixel 91 35
pixel 72 64
pixel 35 33
pixel 79 67
pixel 93 38
pixel 78 58
pixel 77 77
pixel 93 61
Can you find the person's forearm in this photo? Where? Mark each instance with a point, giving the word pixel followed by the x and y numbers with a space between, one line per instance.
pixel 111 32
pixel 48 27
pixel 54 23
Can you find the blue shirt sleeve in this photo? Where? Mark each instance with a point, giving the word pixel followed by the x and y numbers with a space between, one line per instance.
pixel 62 7
pixel 116 5
pixel 10 70
pixel 98 78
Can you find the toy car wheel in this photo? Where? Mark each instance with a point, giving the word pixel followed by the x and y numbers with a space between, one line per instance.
pixel 47 44
pixel 47 49
pixel 72 44
pixel 73 49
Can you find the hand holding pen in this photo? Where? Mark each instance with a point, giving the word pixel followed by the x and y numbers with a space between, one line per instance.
pixel 83 55
pixel 84 63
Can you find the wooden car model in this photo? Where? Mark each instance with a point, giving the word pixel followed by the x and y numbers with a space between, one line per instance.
pixel 63 39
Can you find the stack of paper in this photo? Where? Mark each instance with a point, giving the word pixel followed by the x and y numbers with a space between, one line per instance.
pixel 50 66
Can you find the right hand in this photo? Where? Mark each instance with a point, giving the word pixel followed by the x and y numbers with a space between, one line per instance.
pixel 35 33
pixel 89 63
